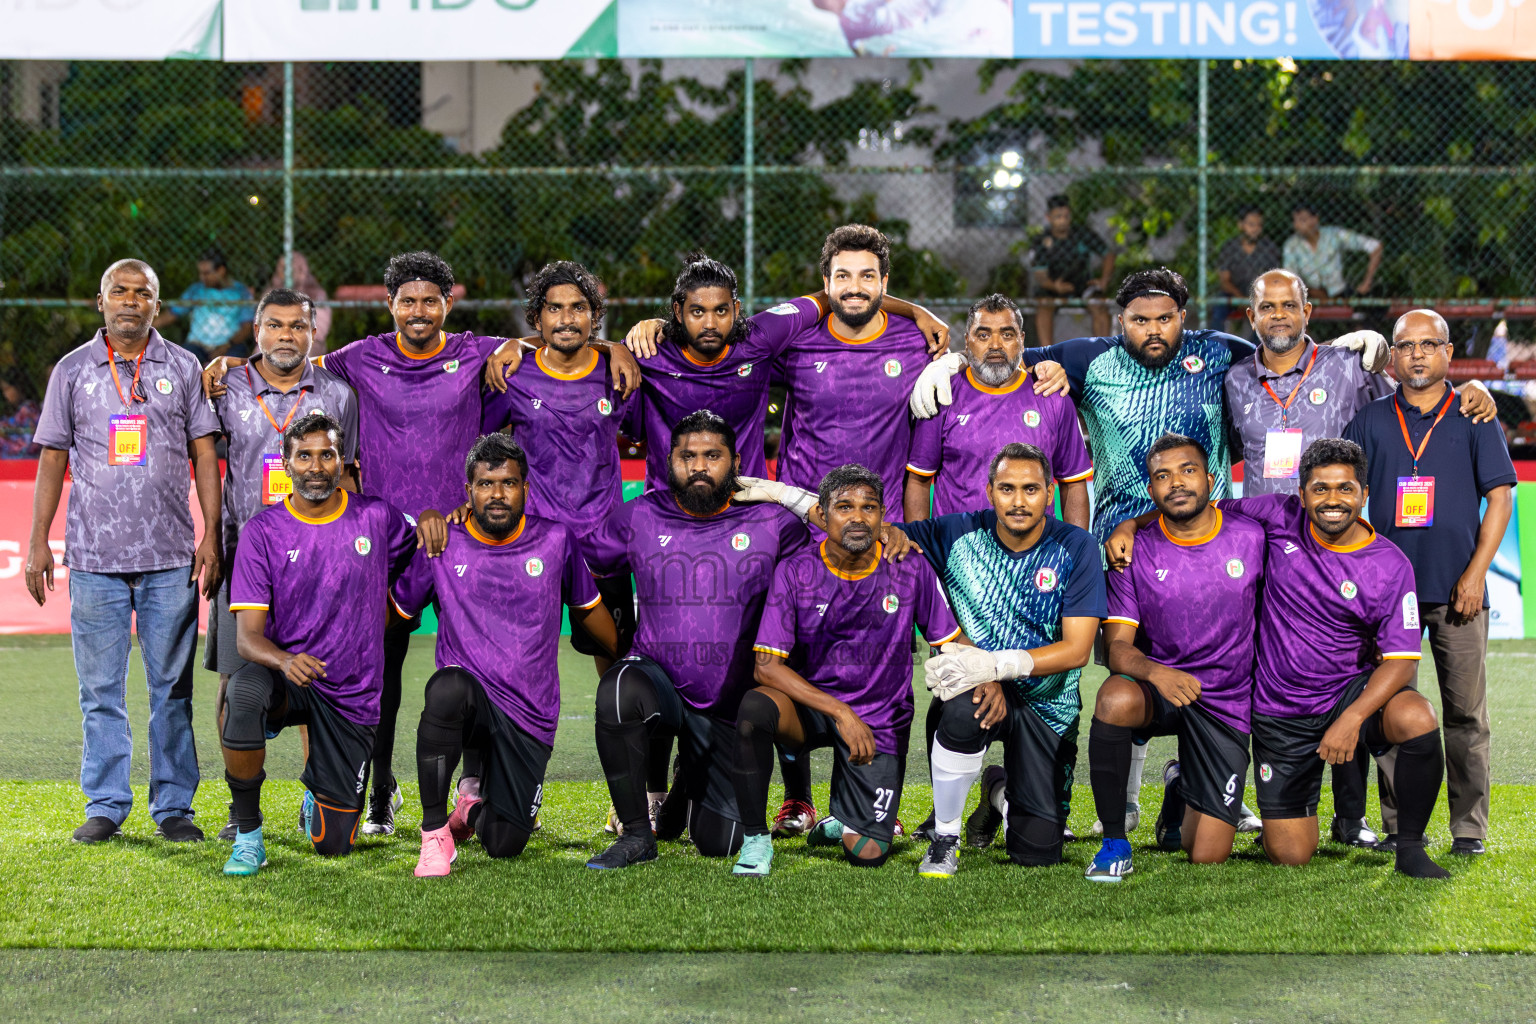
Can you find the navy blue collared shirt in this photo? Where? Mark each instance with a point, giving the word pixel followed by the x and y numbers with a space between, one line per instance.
pixel 1467 461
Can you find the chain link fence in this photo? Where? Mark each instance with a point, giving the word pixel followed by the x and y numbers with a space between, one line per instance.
pixel 626 166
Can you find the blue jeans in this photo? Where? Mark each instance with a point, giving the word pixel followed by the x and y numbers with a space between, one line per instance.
pixel 102 610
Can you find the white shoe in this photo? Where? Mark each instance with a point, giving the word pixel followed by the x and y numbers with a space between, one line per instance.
pixel 1132 820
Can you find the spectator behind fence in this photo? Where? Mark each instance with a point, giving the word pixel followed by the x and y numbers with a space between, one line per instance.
pixel 1240 263
pixel 1316 255
pixel 221 327
pixel 304 281
pixel 1062 258
pixel 19 419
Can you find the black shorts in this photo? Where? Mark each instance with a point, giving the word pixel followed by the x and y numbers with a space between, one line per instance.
pixel 865 797
pixel 339 749
pixel 219 652
pixel 618 594
pixel 512 764
pixel 1213 756
pixel 706 744
pixel 1039 764
pixel 1288 770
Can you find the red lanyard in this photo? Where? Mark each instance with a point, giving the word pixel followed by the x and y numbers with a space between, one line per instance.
pixel 1445 408
pixel 1285 406
pixel 270 418
pixel 133 389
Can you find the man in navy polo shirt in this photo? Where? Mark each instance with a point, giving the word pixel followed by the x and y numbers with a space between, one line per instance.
pixel 1429 471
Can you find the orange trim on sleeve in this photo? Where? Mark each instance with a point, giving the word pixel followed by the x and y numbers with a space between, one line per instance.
pixel 921 472
pixel 770 650
pixel 1074 479
pixel 592 603
pixel 250 607
pixel 1124 621
pixel 947 639
pixel 1403 656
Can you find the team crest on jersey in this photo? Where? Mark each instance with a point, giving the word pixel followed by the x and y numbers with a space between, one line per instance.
pixel 1348 590
pixel 890 604
pixel 604 406
pixel 1317 396
pixel 1235 568
pixel 744 370
pixel 317 411
pixel 1045 580
pixel 1194 364
pixel 534 567
pixel 741 542
pixel 163 385
pixel 1410 610
pixel 893 367
pixel 1031 418
pixel 1266 773
pixel 451 366
pixel 362 545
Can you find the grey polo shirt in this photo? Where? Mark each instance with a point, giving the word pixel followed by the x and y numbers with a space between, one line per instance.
pixel 127 518
pixel 1335 390
pixel 254 440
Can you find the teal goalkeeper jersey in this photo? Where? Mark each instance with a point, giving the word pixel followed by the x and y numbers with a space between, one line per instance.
pixel 1127 406
pixel 1015 600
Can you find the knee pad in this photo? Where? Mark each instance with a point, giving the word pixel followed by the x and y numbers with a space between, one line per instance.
pixel 958 729
pixel 245 708
pixel 1034 842
pixel 757 714
pixel 446 704
pixel 500 837
pixel 333 830
pixel 625 696
pixel 863 843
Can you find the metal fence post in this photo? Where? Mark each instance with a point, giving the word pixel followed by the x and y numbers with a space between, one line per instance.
pixel 1202 181
pixel 288 174
pixel 748 145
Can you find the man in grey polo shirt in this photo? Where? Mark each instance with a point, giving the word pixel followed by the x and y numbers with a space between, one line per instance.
pixel 122 413
pixel 260 400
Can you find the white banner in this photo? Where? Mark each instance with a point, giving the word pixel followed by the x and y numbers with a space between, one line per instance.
pixel 109 29
pixel 418 29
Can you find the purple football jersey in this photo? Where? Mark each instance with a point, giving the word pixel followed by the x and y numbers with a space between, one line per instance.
pixel 418 416
pixel 848 403
pixel 1327 610
pixel 700 584
pixel 569 426
pixel 324 584
pixel 1196 603
pixel 957 446
pixel 498 612
pixel 734 386
pixel 851 636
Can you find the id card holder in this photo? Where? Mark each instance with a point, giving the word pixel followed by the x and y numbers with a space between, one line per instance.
pixel 1282 454
pixel 275 482
pixel 128 440
pixel 1415 501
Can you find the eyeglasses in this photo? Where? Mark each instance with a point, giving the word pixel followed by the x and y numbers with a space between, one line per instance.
pixel 1408 348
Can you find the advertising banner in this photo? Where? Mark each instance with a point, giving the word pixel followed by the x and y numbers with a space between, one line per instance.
pixel 1473 30
pixel 109 29
pixel 414 30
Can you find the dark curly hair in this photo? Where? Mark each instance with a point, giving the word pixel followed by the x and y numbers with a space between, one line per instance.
pixel 856 238
pixel 418 266
pixel 565 272
pixel 1333 451
pixel 700 271
pixel 1153 281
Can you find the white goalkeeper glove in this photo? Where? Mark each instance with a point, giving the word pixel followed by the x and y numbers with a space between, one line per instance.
pixel 1372 347
pixel 751 488
pixel 958 668
pixel 932 388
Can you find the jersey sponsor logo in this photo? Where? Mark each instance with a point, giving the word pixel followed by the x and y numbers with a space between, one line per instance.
pixel 245 415
pixel 1290 549
pixel 409 519
pixel 664 539
pixel 1410 610
pixel 1045 580
pixel 890 604
pixel 451 366
pixel 744 370
pixel 893 367
pixel 461 570
pixel 821 366
pixel 163 385
pixel 1031 418
pixel 783 309
pixel 741 542
pixel 1194 364
pixel 1348 590
pixel 1235 568
pixel 1162 575
pixel 674 376
pixel 604 406
pixel 90 388
pixel 534 567
pixel 1266 773
pixel 293 554
pixel 538 403
pixel 821 609
pixel 1317 396
pixel 383 368
pixel 362 545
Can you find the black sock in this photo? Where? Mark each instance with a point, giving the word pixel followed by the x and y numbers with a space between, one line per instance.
pixel 434 774
pixel 795 769
pixel 1109 770
pixel 756 723
pixel 471 768
pixel 1173 803
pixel 658 769
pixel 1349 786
pixel 624 751
pixel 1416 781
pixel 245 797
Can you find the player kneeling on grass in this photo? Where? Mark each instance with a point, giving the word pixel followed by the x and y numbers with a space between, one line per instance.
pixel 499 586
pixel 309 593
pixel 1192 591
pixel 1338 644
pixel 835 669
pixel 1029 591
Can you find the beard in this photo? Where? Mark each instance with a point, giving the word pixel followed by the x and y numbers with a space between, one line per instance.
pixel 491 528
pixel 566 344
pixel 856 320
pixel 1329 529
pixel 994 374
pixel 857 541
pixel 1155 362
pixel 285 364
pixel 316 487
pixel 702 500
pixel 1419 382
pixel 1280 344
pixel 1185 516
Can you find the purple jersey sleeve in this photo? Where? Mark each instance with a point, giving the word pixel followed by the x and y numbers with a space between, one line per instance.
pixel 793 536
pixel 606 548
pixel 343 361
pixel 933 614
pixel 347 417
pixel 250 583
pixel 401 534
pixel 1399 634
pixel 777 326
pixel 1272 511
pixel 926 455
pixel 1069 452
pixel 414 588
pixel 577 584
pixel 776 631
pixel 1123 604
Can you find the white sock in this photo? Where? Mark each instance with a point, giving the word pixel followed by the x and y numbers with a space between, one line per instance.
pixel 1133 784
pixel 652 797
pixel 999 800
pixel 953 774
